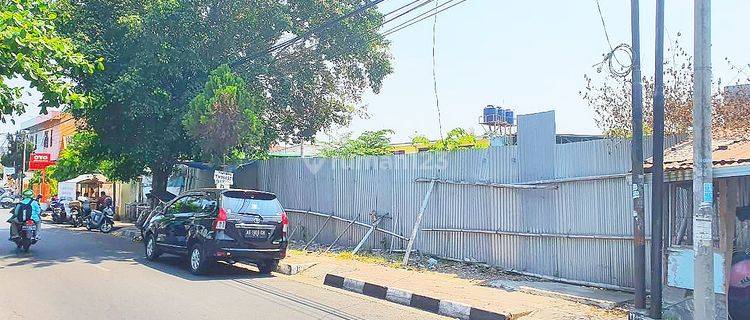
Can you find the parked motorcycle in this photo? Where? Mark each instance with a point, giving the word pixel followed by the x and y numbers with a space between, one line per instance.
pixel 103 220
pixel 58 211
pixel 27 236
pixel 8 201
pixel 79 210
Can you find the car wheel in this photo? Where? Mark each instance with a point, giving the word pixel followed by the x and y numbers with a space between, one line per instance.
pixel 152 250
pixel 200 263
pixel 268 266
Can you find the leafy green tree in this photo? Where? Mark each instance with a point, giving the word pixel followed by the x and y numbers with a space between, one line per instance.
pixel 77 158
pixel 369 143
pixel 225 119
pixel 457 138
pixel 160 53
pixel 32 48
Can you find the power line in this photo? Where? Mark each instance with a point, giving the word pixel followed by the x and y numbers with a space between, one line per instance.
pixel 406 12
pixel 305 35
pixel 326 25
pixel 623 70
pixel 434 72
pixel 421 17
pixel 604 24
pixel 402 7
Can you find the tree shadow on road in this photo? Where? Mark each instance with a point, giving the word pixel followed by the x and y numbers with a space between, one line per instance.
pixel 63 245
pixel 178 266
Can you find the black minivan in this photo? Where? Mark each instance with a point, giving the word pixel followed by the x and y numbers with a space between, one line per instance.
pixel 209 225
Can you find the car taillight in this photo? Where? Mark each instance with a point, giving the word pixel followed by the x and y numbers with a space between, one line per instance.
pixel 221 220
pixel 284 224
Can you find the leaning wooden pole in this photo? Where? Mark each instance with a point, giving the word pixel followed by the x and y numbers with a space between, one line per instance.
pixel 367 235
pixel 417 222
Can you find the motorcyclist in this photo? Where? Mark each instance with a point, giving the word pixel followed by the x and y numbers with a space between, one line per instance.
pixel 28 208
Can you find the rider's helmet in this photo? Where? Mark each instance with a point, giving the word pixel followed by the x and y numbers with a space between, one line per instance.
pixel 28 193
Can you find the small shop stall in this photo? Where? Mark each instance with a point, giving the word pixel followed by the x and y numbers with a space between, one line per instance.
pixel 731 229
pixel 87 185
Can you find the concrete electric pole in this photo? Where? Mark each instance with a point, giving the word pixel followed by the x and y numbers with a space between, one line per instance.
pixel 639 225
pixel 657 170
pixel 23 165
pixel 703 212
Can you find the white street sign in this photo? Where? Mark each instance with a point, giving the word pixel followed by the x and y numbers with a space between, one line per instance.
pixel 223 179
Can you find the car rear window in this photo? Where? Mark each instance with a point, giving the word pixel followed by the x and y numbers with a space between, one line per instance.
pixel 248 202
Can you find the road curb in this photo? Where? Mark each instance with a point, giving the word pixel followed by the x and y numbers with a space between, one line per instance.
pixel 429 304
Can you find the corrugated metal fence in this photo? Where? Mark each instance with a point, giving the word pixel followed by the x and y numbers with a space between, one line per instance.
pixel 580 231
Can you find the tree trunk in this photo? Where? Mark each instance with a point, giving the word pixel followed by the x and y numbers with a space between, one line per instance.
pixel 159 177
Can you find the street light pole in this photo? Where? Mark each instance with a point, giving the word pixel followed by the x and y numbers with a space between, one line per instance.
pixel 703 212
pixel 639 229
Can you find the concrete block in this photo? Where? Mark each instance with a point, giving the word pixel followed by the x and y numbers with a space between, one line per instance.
pixel 293 268
pixel 398 296
pixel 354 285
pixel 454 310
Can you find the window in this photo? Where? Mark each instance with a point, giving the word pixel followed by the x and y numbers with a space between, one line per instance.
pixel 206 204
pixel 242 202
pixel 46 139
pixel 66 141
pixel 192 204
pixel 181 205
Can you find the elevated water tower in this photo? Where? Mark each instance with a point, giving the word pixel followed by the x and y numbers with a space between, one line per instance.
pixel 497 121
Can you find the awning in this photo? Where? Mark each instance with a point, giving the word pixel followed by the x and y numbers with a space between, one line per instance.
pixel 91 177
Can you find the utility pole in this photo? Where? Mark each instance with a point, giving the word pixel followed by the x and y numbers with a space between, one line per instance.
pixel 657 171
pixel 703 212
pixel 639 230
pixel 23 165
pixel 15 166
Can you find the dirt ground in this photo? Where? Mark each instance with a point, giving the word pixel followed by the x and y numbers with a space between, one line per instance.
pixel 451 280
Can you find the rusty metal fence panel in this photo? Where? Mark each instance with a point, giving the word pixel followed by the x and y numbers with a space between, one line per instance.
pixel 580 231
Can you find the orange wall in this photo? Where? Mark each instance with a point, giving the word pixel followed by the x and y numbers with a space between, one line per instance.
pixel 66 128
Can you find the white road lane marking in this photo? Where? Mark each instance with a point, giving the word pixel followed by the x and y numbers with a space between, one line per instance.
pixel 99 267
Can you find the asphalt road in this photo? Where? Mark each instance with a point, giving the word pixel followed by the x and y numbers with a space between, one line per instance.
pixel 75 274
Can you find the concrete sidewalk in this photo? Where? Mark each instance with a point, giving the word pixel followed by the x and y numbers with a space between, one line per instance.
pixel 444 286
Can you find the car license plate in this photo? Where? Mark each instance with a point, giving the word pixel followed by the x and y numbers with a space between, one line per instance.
pixel 256 233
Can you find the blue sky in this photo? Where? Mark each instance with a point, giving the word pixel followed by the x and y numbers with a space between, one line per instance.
pixel 528 55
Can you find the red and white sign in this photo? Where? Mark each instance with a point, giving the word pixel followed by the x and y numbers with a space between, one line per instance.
pixel 40 161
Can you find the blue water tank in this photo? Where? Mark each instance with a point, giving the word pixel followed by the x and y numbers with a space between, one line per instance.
pixel 500 116
pixel 509 115
pixel 489 115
